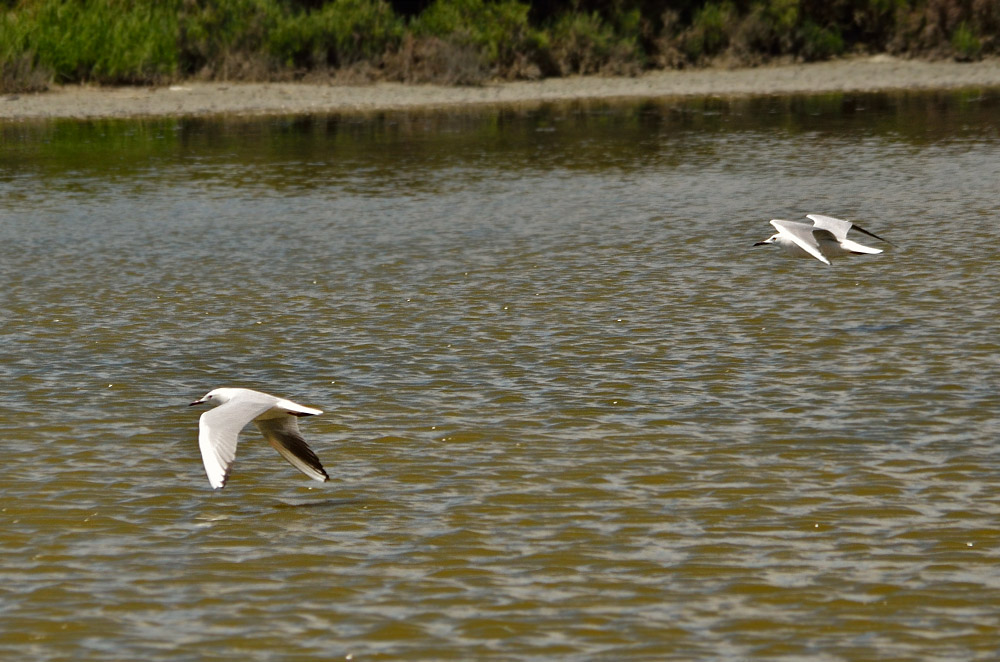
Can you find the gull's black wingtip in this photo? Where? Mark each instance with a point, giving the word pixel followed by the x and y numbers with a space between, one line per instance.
pixel 871 234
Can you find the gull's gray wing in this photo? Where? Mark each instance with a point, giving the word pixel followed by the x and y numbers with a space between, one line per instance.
pixel 802 235
pixel 218 430
pixel 835 226
pixel 826 222
pixel 282 433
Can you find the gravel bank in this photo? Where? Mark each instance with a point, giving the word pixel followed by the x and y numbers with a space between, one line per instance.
pixel 198 98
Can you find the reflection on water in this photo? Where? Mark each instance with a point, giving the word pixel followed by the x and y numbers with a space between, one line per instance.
pixel 570 413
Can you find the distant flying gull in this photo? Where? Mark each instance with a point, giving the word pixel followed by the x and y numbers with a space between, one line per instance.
pixel 275 417
pixel 825 239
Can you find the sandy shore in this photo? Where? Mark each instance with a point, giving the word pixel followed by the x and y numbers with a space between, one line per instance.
pixel 191 99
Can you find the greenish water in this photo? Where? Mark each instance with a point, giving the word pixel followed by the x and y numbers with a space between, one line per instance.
pixel 570 412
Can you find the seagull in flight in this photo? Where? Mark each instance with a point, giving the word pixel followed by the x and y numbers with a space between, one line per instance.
pixel 826 238
pixel 275 417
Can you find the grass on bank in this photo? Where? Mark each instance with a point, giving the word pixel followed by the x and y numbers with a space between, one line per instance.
pixel 459 41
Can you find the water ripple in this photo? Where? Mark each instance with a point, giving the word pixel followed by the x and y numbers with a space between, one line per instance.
pixel 570 413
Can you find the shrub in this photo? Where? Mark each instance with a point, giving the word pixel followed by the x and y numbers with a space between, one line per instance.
pixel 586 44
pixel 499 30
pixel 769 29
pixel 433 60
pixel 709 31
pixel 872 22
pixel 819 43
pixel 339 33
pixel 97 41
pixel 19 73
pixel 227 38
pixel 966 44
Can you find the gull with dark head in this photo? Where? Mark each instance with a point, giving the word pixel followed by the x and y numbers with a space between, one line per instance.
pixel 825 239
pixel 275 417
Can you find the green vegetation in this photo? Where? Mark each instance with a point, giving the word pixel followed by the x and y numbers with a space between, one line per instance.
pixel 967 46
pixel 86 41
pixel 460 41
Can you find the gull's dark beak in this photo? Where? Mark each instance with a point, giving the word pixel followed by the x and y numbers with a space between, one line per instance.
pixel 759 243
pixel 196 402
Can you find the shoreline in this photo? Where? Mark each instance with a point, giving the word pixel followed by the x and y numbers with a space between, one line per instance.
pixel 200 99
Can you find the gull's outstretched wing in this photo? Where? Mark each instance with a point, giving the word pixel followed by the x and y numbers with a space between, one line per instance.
pixel 218 430
pixel 295 408
pixel 283 434
pixel 802 235
pixel 837 227
pixel 829 222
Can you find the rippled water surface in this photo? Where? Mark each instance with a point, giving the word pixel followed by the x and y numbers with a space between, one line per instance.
pixel 570 412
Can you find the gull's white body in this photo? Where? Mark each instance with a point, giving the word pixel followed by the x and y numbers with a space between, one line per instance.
pixel 824 239
pixel 219 428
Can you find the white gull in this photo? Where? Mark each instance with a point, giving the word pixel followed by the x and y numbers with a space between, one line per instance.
pixel 275 417
pixel 824 240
